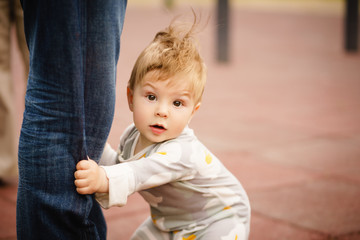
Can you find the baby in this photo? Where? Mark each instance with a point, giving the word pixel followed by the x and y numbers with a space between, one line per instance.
pixel 190 193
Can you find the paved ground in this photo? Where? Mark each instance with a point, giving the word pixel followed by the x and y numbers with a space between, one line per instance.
pixel 283 115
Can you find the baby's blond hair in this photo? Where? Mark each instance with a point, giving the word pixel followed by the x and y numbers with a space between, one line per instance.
pixel 173 51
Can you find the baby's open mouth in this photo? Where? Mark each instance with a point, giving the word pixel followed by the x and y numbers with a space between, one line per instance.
pixel 157 126
pixel 157 129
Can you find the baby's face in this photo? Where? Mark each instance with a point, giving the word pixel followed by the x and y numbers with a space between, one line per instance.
pixel 161 110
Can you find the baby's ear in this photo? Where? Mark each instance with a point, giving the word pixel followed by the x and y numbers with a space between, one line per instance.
pixel 197 106
pixel 130 97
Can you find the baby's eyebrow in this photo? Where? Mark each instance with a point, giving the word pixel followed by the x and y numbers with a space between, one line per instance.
pixel 186 94
pixel 148 85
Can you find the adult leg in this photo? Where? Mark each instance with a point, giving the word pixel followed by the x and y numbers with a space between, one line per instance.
pixel 7 131
pixel 69 106
pixel 20 34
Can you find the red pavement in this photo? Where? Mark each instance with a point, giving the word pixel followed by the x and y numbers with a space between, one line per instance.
pixel 283 115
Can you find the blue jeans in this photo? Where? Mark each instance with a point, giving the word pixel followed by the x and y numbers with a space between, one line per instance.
pixel 70 98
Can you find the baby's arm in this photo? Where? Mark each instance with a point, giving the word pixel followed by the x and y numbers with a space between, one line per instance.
pixel 90 178
pixel 109 156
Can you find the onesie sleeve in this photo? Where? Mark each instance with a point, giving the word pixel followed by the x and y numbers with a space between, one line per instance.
pixel 166 164
pixel 169 163
pixel 121 185
pixel 108 156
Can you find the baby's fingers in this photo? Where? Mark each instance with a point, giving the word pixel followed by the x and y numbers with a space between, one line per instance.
pixel 80 174
pixel 82 183
pixel 85 190
pixel 83 165
pixel 83 187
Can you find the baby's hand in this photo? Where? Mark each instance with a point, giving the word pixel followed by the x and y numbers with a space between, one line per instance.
pixel 90 178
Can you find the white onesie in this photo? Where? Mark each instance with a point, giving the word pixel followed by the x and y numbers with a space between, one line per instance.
pixel 188 189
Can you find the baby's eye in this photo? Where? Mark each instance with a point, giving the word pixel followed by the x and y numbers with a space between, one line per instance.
pixel 177 103
pixel 151 97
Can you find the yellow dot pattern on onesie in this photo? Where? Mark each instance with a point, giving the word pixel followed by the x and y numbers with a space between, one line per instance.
pixel 208 158
pixel 191 237
pixel 153 218
pixel 227 207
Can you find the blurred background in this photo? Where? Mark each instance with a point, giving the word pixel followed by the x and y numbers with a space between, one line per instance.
pixel 280 109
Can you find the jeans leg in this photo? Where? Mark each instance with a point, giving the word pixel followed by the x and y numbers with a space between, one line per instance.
pixel 69 107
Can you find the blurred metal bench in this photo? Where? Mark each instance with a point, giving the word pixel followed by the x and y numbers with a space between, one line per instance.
pixel 222 48
pixel 351 28
pixel 351 25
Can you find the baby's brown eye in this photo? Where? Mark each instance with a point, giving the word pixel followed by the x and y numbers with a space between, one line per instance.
pixel 177 103
pixel 151 97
